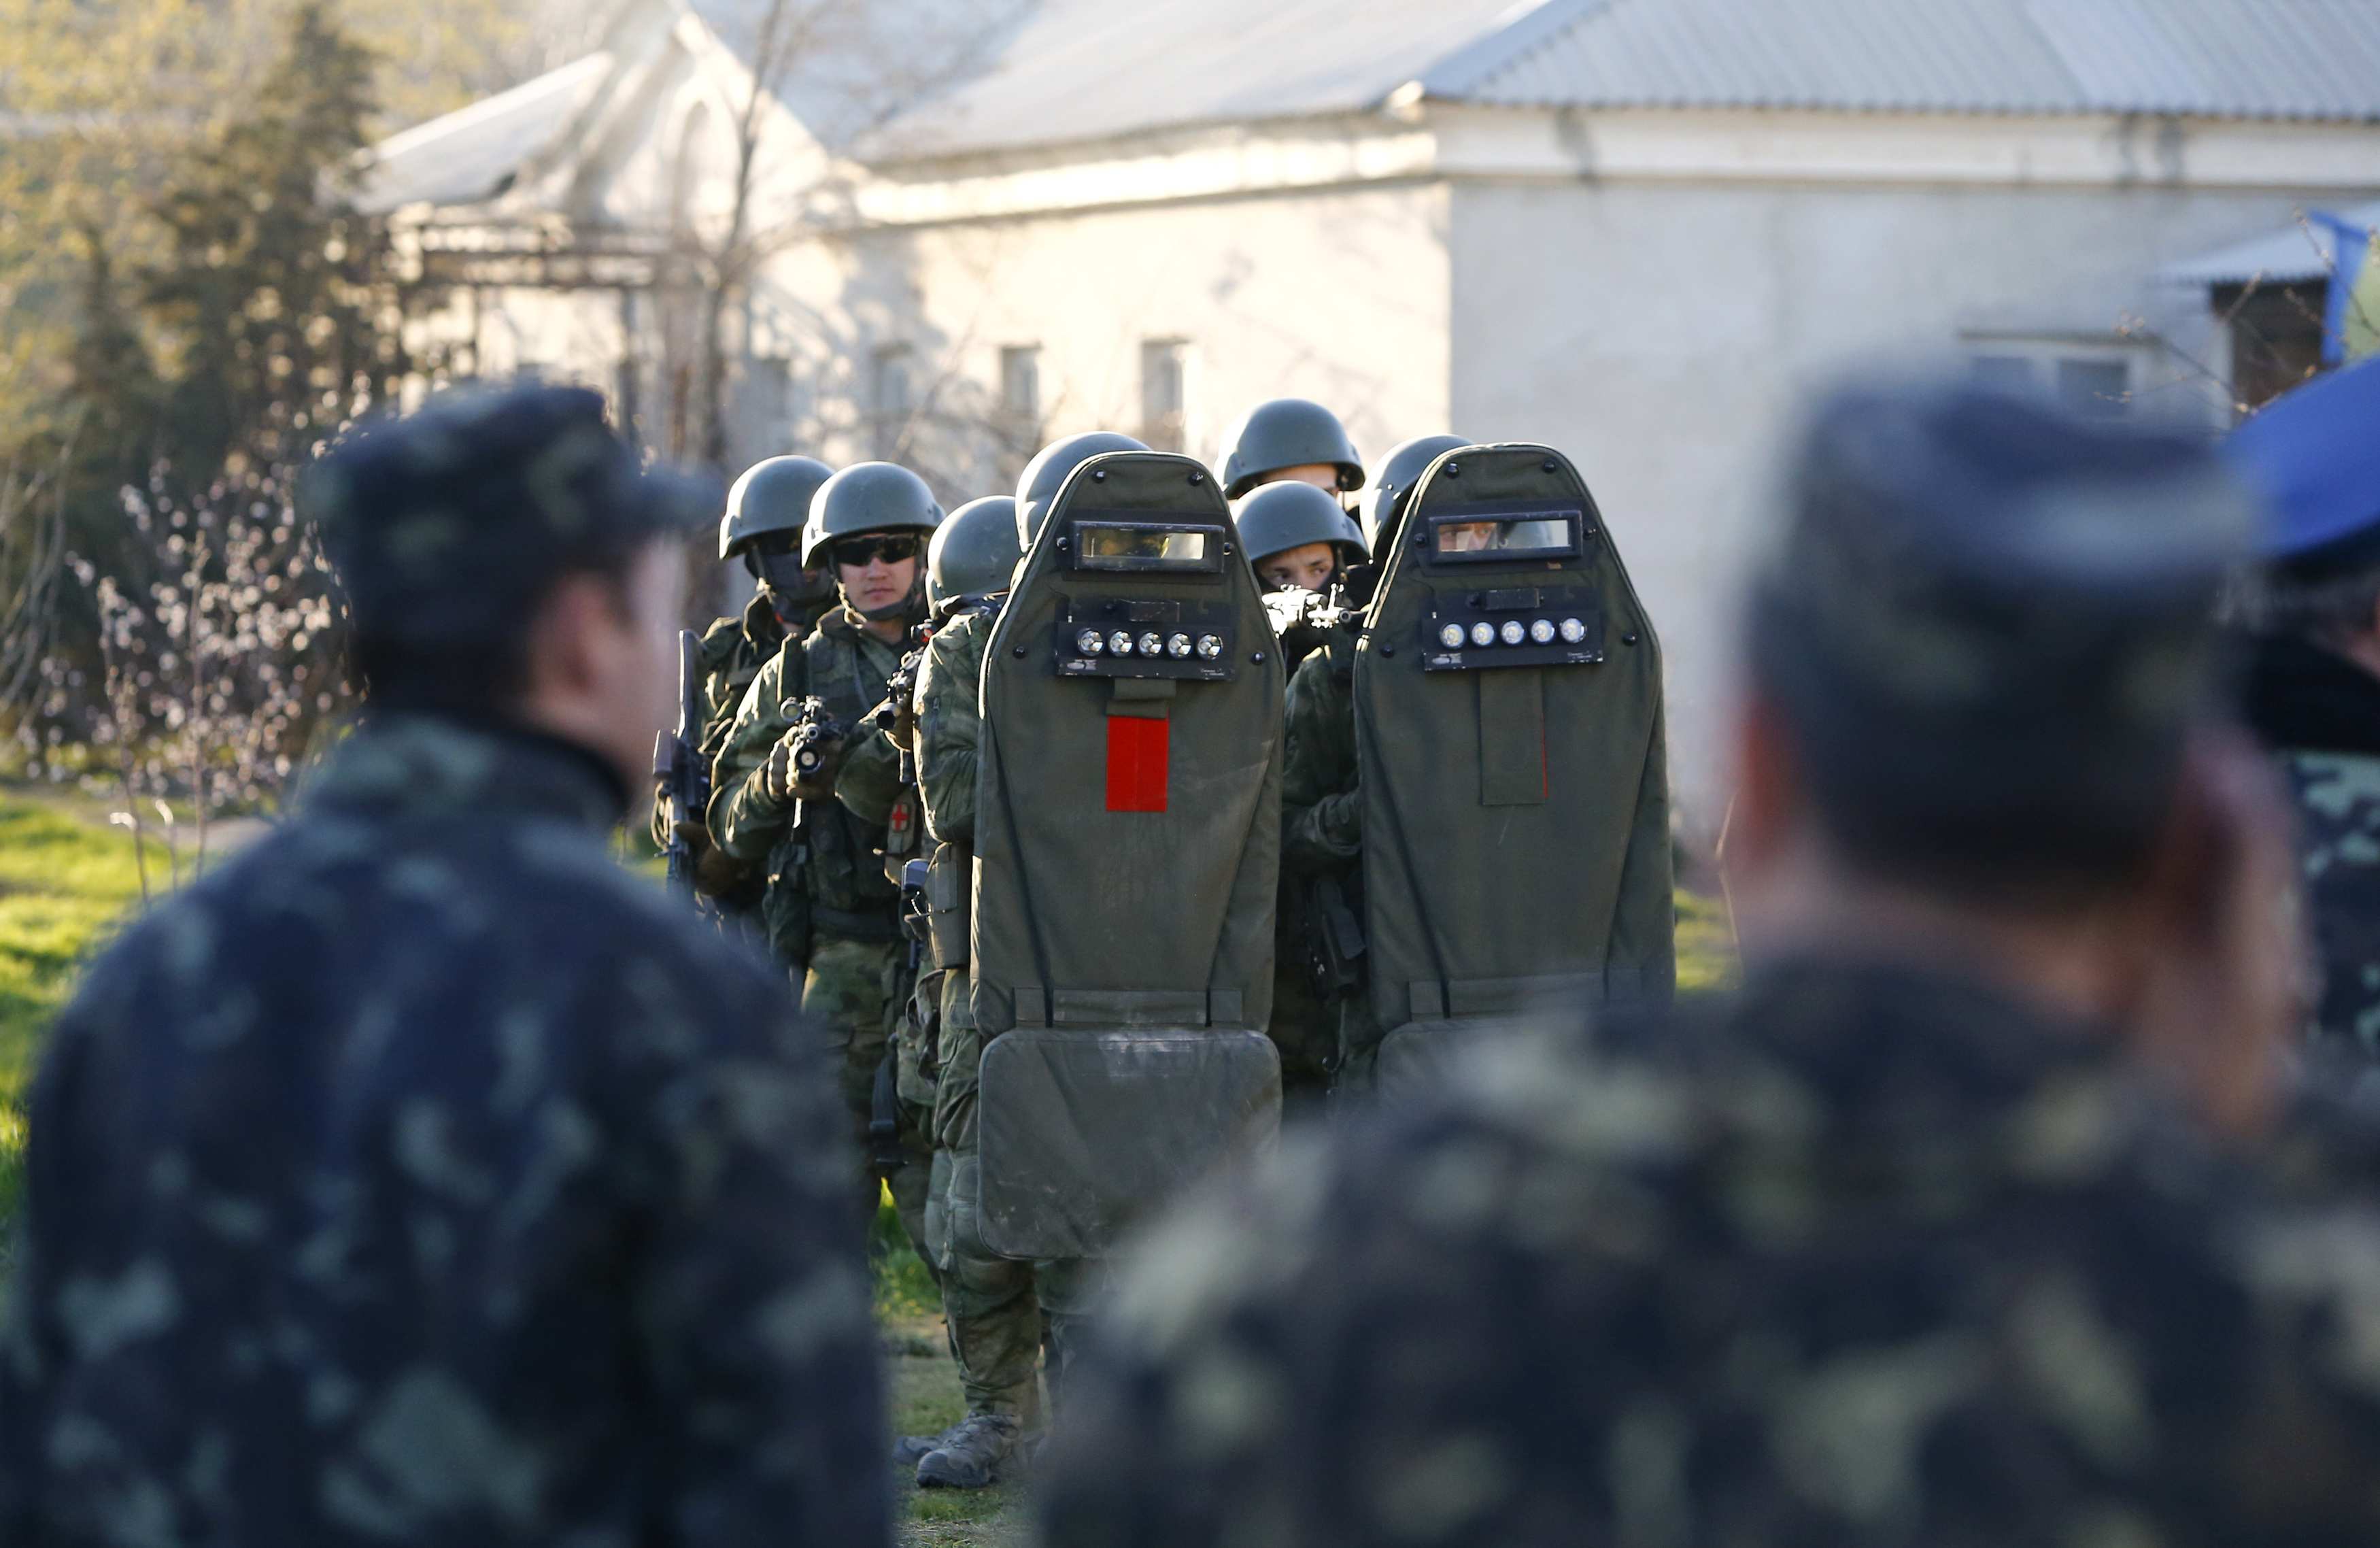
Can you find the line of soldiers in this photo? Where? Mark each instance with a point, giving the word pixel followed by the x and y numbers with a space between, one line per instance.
pixel 849 773
pixel 419 1176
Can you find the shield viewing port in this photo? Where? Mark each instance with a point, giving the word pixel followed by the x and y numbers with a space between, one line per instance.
pixel 1504 537
pixel 1187 549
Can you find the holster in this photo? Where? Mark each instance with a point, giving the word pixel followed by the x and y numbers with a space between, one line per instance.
pixel 884 1119
pixel 950 882
pixel 1334 939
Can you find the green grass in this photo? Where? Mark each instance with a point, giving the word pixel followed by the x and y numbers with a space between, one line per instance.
pixel 1706 943
pixel 63 880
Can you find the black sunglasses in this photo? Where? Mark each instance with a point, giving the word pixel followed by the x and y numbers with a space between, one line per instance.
pixel 777 545
pixel 856 552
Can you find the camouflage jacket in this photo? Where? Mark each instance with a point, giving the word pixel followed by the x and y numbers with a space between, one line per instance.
pixel 734 650
pixel 950 724
pixel 834 858
pixel 1859 1256
pixel 2321 715
pixel 1321 807
pixel 420 1176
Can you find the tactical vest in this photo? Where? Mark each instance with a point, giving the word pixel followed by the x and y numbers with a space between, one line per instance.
pixel 1507 695
pixel 1127 843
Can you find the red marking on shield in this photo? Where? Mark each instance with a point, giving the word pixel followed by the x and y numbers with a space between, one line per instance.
pixel 1136 754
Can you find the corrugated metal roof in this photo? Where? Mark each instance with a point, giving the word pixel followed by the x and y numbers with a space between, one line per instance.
pixel 2295 252
pixel 465 156
pixel 1091 69
pixel 1084 69
pixel 2214 58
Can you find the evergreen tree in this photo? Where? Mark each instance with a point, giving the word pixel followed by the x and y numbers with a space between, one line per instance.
pixel 277 297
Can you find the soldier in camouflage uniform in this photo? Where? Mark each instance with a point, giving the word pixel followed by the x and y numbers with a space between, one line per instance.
pixel 766 509
pixel 1322 808
pixel 824 838
pixel 2313 682
pixel 1283 441
pixel 1920 1240
pixel 419 1176
pixel 989 1303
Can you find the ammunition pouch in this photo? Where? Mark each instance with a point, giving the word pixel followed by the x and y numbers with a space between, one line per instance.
pixel 1082 1131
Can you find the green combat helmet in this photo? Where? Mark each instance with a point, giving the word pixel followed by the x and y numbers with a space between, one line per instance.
pixel 1402 469
pixel 870 497
pixel 771 497
pixel 1279 516
pixel 1046 474
pixel 1287 432
pixel 974 553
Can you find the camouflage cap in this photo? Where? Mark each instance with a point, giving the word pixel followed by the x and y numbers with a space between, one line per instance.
pixel 448 523
pixel 1988 626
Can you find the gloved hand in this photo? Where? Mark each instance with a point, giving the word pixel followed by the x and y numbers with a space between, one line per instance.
pixel 896 720
pixel 785 782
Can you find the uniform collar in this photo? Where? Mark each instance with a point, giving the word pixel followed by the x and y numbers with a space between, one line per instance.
pixel 2302 698
pixel 424 764
pixel 1874 1032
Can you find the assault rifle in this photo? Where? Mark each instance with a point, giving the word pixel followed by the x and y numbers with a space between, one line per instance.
pixel 680 771
pixel 898 716
pixel 811 737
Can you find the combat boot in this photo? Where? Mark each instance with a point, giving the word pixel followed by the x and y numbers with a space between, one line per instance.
pixel 976 1452
pixel 910 1450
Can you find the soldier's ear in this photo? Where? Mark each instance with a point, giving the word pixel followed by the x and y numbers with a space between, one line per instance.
pixel 1768 813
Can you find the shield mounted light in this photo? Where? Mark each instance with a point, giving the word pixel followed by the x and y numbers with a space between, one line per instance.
pixel 1210 646
pixel 1451 636
pixel 1512 631
pixel 1542 631
pixel 1090 642
pixel 1120 644
pixel 1483 633
pixel 1178 647
pixel 1573 631
pixel 1152 644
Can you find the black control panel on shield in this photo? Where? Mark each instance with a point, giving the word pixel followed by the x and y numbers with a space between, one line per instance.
pixel 1103 634
pixel 1512 626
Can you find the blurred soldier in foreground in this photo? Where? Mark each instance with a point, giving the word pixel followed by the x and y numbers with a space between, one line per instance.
pixel 802 786
pixel 419 1176
pixel 766 508
pixel 2314 681
pixel 989 1305
pixel 1908 1242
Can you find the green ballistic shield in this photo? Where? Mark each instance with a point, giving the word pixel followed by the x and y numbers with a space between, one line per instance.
pixel 1127 845
pixel 1508 736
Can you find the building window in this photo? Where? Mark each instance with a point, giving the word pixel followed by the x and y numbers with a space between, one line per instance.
pixel 1164 391
pixel 1020 383
pixel 2276 336
pixel 2082 376
pixel 890 401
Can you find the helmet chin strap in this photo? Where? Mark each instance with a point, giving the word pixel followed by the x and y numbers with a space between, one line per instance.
pixel 910 609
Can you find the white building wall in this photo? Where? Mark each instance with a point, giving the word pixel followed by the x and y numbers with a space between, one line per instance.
pixel 1664 335
pixel 1340 295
